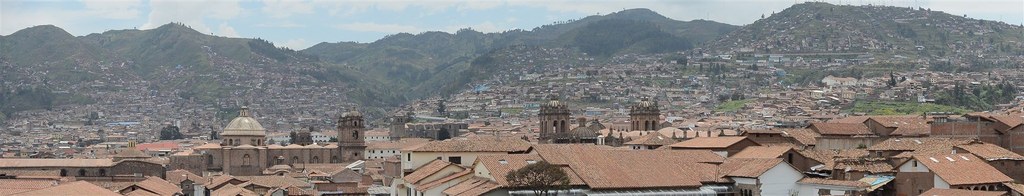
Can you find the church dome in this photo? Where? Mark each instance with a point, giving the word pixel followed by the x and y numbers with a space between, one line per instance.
pixel 352 113
pixel 244 124
pixel 582 132
pixel 645 106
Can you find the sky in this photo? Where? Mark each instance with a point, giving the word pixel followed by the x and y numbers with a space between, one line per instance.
pixel 298 24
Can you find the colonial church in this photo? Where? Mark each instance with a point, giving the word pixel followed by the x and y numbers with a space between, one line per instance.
pixel 555 121
pixel 243 150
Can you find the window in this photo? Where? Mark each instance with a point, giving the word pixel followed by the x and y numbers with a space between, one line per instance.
pixel 915 163
pixel 409 158
pixel 334 159
pixel 103 172
pixel 63 172
pixel 315 159
pixel 245 160
pixel 790 158
pixel 81 172
pixel 456 160
pixel 295 160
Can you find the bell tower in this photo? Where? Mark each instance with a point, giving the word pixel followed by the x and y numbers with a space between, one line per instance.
pixel 554 120
pixel 351 132
pixel 645 115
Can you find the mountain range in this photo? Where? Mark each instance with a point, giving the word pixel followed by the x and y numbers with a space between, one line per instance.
pixel 404 66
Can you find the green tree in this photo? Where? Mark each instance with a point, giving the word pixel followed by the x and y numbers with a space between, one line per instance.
pixel 541 177
pixel 170 132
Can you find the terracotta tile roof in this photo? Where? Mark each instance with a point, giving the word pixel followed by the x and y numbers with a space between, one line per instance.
pixel 709 142
pixel 428 169
pixel 990 152
pixel 112 185
pixel 141 192
pixel 914 144
pixel 209 146
pixel 762 152
pixel 951 167
pixel 178 175
pixel 423 187
pixel 158 186
pixel 851 119
pixel 824 181
pixel 1010 120
pixel 614 169
pixel 21 173
pixel 960 192
pixel 13 163
pixel 274 181
pixel 806 137
pixel 828 157
pixel 652 139
pixel 1016 187
pixel 220 180
pixel 171 145
pixel 473 186
pixel 233 190
pixel 12 186
pixel 480 144
pixel 905 125
pixel 501 165
pixel 849 129
pixel 401 144
pixel 77 187
pixel 873 166
pixel 750 168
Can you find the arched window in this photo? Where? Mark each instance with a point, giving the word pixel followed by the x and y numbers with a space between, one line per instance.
pixel 334 159
pixel 103 172
pixel 81 172
pixel 315 159
pixel 295 160
pixel 355 134
pixel 245 160
pixel 63 172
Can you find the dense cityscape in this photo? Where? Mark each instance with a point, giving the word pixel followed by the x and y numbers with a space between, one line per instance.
pixel 816 99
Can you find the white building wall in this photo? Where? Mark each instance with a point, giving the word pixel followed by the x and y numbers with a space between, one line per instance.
pixel 780 180
pixel 422 158
pixel 909 167
pixel 939 183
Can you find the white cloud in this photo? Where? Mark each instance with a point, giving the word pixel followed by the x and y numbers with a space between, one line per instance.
pixel 227 31
pixel 114 9
pixel 284 24
pixel 486 27
pixel 191 13
pixel 381 28
pixel 286 8
pixel 295 44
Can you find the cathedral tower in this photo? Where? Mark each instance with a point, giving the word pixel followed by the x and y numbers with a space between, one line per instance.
pixel 645 115
pixel 351 132
pixel 554 120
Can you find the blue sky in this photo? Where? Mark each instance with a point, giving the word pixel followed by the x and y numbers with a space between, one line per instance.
pixel 298 24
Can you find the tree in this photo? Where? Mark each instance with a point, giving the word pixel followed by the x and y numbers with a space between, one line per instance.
pixel 293 136
pixel 541 177
pixel 170 132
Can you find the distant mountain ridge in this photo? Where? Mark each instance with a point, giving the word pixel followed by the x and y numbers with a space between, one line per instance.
pixel 425 62
pixel 405 66
pixel 821 27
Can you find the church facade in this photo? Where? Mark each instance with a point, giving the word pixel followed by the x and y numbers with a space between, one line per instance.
pixel 243 150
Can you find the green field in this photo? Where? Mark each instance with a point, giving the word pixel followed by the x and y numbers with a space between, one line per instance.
pixel 902 108
pixel 732 106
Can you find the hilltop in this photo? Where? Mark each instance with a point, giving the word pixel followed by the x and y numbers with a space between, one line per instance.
pixel 825 28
